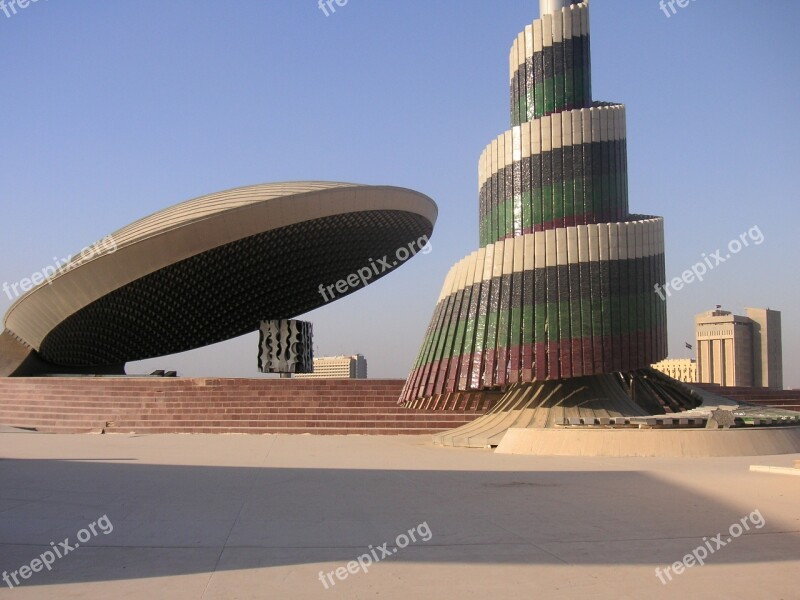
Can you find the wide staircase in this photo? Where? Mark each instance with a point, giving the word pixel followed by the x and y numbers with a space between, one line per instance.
pixel 185 405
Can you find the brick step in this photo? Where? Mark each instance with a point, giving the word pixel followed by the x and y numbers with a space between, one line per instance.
pixel 390 429
pixel 766 400
pixel 776 402
pixel 300 416
pixel 39 423
pixel 760 398
pixel 93 393
pixel 70 403
pixel 81 405
pixel 181 418
pixel 58 409
pixel 78 394
pixel 267 404
pixel 192 395
pixel 359 420
pixel 309 423
pixel 293 409
pixel 284 430
pixel 168 409
pixel 201 383
pixel 256 412
pixel 205 403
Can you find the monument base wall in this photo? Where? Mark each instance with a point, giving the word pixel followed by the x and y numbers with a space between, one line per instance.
pixel 214 405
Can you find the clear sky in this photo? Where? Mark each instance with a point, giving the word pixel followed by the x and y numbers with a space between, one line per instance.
pixel 114 110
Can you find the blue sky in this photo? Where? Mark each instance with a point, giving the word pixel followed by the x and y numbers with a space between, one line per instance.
pixel 113 110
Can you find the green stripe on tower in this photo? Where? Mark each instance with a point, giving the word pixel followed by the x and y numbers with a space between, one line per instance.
pixel 504 319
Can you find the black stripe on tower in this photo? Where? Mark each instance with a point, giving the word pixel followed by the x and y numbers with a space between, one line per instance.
pixel 530 70
pixel 568 176
pixel 515 94
pixel 588 178
pixel 522 103
pixel 494 212
pixel 536 186
pixel 605 180
pixel 538 77
pixel 547 183
pixel 597 181
pixel 576 330
pixel 578 170
pixel 586 315
pixel 587 68
pixel 549 87
pixel 579 67
pixel 527 199
pixel 552 321
pixel 624 162
pixel 559 70
pixel 508 226
pixel 558 190
pixel 504 324
pixel 571 100
pixel 469 343
pixel 634 272
pixel 482 209
pixel 564 330
pixel 613 183
pixel 616 303
pixel 605 295
pixel 516 217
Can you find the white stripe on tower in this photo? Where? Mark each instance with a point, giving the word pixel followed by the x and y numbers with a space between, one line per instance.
pixel 548 7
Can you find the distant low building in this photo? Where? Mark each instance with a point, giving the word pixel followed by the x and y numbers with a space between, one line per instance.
pixel 337 367
pixel 682 369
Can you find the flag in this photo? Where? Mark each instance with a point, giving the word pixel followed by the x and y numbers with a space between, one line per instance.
pixel 688 345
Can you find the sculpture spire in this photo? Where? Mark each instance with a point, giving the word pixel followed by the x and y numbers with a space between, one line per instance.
pixel 559 296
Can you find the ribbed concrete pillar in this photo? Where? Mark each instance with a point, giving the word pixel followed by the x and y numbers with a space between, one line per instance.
pixel 285 347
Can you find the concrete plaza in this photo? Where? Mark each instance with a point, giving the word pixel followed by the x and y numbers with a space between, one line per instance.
pixel 228 516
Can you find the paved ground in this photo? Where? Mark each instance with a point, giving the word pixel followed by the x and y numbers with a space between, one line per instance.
pixel 227 517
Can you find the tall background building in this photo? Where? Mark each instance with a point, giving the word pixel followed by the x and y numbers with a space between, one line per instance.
pixel 734 350
pixel 767 347
pixel 337 367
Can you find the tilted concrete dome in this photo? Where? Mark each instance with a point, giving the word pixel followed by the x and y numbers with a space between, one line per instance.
pixel 210 269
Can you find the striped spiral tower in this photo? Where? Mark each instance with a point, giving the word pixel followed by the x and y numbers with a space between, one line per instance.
pixel 562 286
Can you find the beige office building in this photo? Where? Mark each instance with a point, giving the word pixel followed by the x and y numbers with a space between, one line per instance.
pixel 734 350
pixel 682 369
pixel 337 367
pixel 767 347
